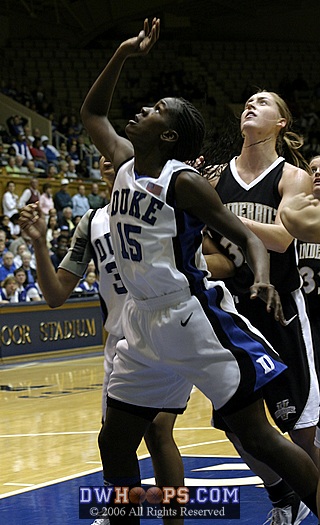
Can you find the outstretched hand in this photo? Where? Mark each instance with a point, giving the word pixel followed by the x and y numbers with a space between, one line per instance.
pixel 270 296
pixel 141 44
pixel 32 221
pixel 300 201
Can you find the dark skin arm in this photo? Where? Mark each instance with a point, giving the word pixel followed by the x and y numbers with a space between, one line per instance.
pixel 219 265
pixel 55 286
pixel 197 197
pixel 95 109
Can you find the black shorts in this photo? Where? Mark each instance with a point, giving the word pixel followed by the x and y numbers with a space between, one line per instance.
pixel 148 413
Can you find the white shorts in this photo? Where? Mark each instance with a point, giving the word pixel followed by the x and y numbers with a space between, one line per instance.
pixel 200 340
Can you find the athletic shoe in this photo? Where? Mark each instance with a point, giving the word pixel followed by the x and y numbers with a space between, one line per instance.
pixel 289 515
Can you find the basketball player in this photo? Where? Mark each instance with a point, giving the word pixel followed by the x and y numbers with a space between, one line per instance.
pixel 256 185
pixel 175 321
pixel 301 216
pixel 92 240
pixel 309 267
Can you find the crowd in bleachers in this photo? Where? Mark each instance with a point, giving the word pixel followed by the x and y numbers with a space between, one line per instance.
pixel 18 272
pixel 70 154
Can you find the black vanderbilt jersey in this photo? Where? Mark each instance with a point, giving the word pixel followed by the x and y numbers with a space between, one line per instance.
pixel 258 201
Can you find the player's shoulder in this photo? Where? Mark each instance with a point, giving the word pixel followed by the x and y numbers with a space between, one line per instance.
pixel 289 170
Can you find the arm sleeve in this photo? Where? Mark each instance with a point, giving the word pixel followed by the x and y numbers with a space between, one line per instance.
pixel 80 252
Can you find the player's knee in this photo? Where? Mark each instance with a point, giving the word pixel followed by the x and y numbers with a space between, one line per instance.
pixel 157 436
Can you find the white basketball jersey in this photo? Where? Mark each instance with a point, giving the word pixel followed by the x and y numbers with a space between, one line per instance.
pixel 92 240
pixel 156 245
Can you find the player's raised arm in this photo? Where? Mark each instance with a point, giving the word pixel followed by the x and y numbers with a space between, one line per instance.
pixel 96 106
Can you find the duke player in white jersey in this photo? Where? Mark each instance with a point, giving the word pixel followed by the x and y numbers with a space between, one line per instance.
pixel 92 240
pixel 175 322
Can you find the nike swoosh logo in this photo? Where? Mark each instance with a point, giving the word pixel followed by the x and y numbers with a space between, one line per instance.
pixel 184 323
pixel 289 320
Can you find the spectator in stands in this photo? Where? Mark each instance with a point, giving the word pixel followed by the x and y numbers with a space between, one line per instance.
pixel 66 223
pixel 63 150
pixel 60 251
pixel 53 213
pixel 3 247
pixel 16 125
pixel 53 232
pixel 73 152
pixel 10 199
pixel 17 261
pixel 8 266
pixel 62 198
pixel 76 219
pixel 27 132
pixel 52 154
pixel 14 225
pixel 11 152
pixel 26 292
pixel 21 148
pixel 89 285
pixel 27 267
pixel 80 202
pixel 72 171
pixel 8 290
pixel 82 169
pixel 63 169
pixel 63 125
pixel 52 172
pixel 84 150
pixel 38 154
pixel 3 154
pixel 94 198
pixel 46 199
pixel 95 173
pixel 23 169
pixel 31 194
pixel 36 133
pixel 12 167
pixel 75 124
pixel 5 226
pixel 23 239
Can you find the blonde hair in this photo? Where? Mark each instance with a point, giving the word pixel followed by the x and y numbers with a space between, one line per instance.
pixel 288 142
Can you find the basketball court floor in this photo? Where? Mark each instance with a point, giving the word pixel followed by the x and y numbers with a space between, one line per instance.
pixel 50 419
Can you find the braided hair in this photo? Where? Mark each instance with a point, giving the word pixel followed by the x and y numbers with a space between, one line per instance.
pixel 190 126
